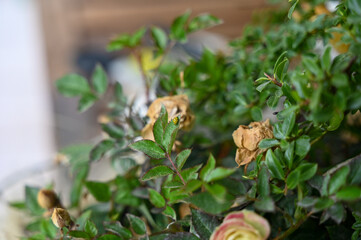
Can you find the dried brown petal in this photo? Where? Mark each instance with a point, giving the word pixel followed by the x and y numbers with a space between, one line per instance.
pixel 247 139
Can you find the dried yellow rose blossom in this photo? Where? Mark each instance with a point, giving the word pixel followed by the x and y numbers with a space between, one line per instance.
pixel 176 106
pixel 48 199
pixel 247 139
pixel 61 218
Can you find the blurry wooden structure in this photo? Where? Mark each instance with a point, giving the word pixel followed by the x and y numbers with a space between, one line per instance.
pixel 73 24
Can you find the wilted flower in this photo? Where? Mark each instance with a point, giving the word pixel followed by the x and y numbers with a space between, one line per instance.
pixel 176 106
pixel 47 199
pixel 61 218
pixel 243 225
pixel 247 139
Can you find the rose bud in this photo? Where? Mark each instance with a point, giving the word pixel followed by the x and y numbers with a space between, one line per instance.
pixel 47 199
pixel 61 218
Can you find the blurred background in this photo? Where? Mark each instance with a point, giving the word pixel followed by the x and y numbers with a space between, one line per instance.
pixel 41 40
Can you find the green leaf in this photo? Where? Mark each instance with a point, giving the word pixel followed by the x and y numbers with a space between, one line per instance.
pixel 31 202
pixel 113 130
pixel 289 154
pixel 83 218
pixel 79 234
pixel 170 134
pixel 118 43
pixel 160 38
pixel 307 171
pixel 136 38
pixel 90 228
pixel 208 203
pixel 203 21
pixel 86 101
pixel 289 123
pixel 349 193
pixel 168 211
pixel 118 229
pixel 335 121
pixel 292 9
pixel 109 237
pixel 325 183
pixel 203 224
pixel 100 149
pixel 182 158
pixel 293 179
pixel 281 69
pixel 77 186
pixel 211 164
pixel 178 27
pixel 279 60
pixel 118 93
pixel 302 146
pixel 262 86
pixel 219 173
pixel 48 228
pixel 263 187
pixel 265 204
pixel 274 165
pixel 193 185
pixel 217 191
pixel 338 180
pixel 72 85
pixel 322 203
pixel 156 199
pixel 137 224
pixel 256 114
pixel 337 212
pixel 123 164
pixel 268 143
pixel 149 148
pixel 158 131
pixel 311 65
pixel 99 190
pixel 156 172
pixel 18 205
pixel 326 59
pixel 99 80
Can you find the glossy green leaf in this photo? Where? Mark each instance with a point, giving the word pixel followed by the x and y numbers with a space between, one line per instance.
pixel 202 22
pixel 86 101
pixel 149 148
pixel 113 130
pixel 274 165
pixel 292 9
pixel 90 228
pixel 170 134
pixel 137 224
pixel 326 59
pixel 211 164
pixel 109 237
pixel 118 229
pixel 169 211
pixel 338 180
pixel 349 193
pixel 268 143
pixel 219 173
pixel 156 199
pixel 204 224
pixel 99 80
pixel 289 154
pixel 100 149
pixel 262 86
pixel 293 179
pixel 256 114
pixel 263 187
pixel 302 146
pixel 156 172
pixel 289 123
pixel 178 27
pixel 79 234
pixel 99 190
pixel 72 85
pixel 160 38
pixel 307 171
pixel 182 158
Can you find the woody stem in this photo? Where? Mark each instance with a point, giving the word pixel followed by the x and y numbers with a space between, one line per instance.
pixel 178 173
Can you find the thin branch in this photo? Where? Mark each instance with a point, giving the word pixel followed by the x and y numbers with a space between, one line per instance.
pixel 293 227
pixel 340 165
pixel 178 173
pixel 272 79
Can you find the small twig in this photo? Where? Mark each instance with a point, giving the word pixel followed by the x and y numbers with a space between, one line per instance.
pixel 178 173
pixel 144 75
pixel 293 227
pixel 340 165
pixel 272 79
